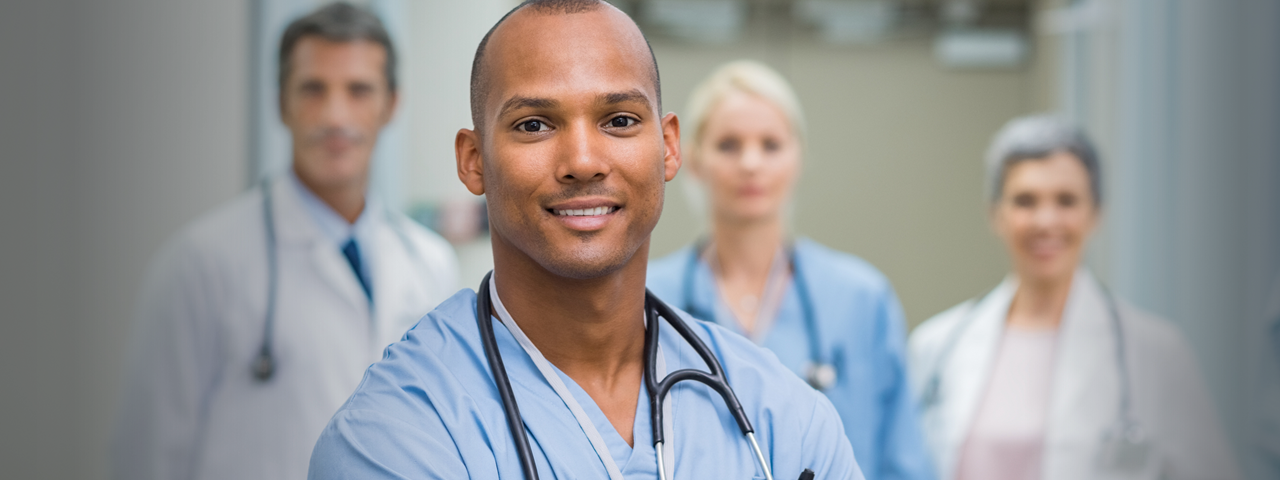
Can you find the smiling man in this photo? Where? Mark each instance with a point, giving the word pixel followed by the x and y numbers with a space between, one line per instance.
pixel 257 320
pixel 573 153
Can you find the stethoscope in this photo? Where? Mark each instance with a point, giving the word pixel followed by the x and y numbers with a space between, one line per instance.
pixel 820 373
pixel 264 363
pixel 1125 427
pixel 658 389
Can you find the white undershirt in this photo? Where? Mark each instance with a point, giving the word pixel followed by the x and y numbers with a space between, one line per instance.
pixel 1006 440
pixel 557 384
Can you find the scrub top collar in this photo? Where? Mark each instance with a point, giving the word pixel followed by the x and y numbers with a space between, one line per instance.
pixel 553 377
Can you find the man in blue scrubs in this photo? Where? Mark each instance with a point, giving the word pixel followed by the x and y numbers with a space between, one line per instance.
pixel 573 154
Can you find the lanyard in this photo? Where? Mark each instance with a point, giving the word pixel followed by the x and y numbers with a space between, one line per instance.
pixel 557 384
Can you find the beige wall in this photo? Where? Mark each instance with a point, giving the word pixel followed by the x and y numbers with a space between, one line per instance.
pixel 893 173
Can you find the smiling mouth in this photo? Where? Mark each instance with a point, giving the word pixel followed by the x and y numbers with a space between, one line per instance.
pixel 583 212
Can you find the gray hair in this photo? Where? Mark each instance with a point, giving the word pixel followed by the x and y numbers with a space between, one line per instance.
pixel 337 22
pixel 1036 137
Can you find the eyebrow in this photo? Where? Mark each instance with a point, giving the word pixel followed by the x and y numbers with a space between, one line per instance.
pixel 519 102
pixel 632 95
pixel 608 99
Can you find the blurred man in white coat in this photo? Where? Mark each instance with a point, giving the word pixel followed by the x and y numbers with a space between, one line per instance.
pixel 258 320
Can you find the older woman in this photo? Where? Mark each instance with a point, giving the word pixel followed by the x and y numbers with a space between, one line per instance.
pixel 1049 376
pixel 829 316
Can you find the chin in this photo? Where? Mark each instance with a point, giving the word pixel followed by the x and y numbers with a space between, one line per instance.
pixel 337 170
pixel 751 215
pixel 588 262
pixel 1050 270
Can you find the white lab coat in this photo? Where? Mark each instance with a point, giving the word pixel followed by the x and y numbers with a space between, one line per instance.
pixel 191 407
pixel 1170 400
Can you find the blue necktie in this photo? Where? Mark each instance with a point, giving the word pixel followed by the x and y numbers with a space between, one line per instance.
pixel 352 252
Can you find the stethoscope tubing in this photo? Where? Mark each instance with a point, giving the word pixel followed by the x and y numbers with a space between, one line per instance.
pixel 484 313
pixel 807 308
pixel 655 310
pixel 264 364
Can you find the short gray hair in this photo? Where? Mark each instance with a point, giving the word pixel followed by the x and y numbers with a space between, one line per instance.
pixel 337 22
pixel 1036 137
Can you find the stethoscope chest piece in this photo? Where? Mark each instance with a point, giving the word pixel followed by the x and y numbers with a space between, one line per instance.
pixel 264 366
pixel 820 376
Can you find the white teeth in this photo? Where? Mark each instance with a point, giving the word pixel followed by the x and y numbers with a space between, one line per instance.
pixel 585 212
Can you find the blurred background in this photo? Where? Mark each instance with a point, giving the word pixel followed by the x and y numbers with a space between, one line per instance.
pixel 122 120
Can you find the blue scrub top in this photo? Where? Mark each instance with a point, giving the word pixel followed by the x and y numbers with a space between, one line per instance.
pixel 862 333
pixel 430 409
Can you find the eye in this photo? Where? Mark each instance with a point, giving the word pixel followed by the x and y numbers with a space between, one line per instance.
pixel 622 121
pixel 361 90
pixel 1024 200
pixel 771 145
pixel 312 89
pixel 729 145
pixel 533 126
pixel 1067 200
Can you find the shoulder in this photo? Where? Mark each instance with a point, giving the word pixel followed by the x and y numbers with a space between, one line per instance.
pixel 1154 334
pixel 403 419
pixel 928 337
pixel 447 332
pixel 840 269
pixel 433 249
pixel 431 244
pixel 426 373
pixel 214 239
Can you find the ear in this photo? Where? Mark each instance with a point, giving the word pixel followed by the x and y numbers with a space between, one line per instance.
pixel 671 159
pixel 466 147
pixel 393 104
pixel 282 105
pixel 994 220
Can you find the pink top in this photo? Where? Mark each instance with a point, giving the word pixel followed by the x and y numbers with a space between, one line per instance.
pixel 1006 440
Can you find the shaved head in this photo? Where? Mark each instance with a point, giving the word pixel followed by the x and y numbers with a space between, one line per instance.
pixel 482 70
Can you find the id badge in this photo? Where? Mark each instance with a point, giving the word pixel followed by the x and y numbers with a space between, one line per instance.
pixel 1125 451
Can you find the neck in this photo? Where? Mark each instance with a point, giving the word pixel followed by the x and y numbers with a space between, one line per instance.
pixel 745 250
pixel 592 329
pixel 346 198
pixel 1039 303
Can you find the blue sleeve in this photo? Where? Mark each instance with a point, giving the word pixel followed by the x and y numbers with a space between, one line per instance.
pixel 827 449
pixel 904 455
pixel 366 444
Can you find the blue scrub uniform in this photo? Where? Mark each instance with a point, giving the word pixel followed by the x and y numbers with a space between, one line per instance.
pixel 861 332
pixel 430 409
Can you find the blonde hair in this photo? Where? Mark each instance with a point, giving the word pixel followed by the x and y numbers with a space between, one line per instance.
pixel 744 76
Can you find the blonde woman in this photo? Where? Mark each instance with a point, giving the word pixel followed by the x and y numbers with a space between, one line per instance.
pixel 829 316
pixel 1050 376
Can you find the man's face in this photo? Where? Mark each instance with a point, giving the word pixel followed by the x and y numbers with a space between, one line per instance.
pixel 334 102
pixel 575 155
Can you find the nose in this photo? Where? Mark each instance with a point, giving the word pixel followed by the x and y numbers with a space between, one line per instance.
pixel 336 109
pixel 752 157
pixel 580 158
pixel 1046 215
